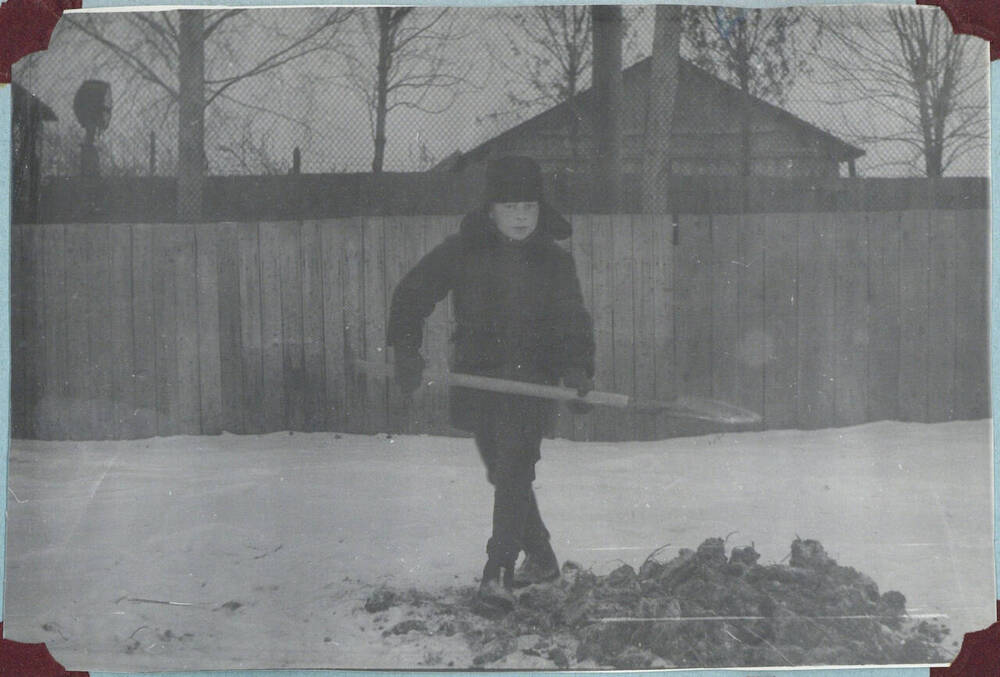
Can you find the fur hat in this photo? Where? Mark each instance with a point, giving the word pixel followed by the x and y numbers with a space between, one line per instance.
pixel 513 178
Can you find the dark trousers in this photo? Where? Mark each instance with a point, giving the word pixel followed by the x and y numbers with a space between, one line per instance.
pixel 509 438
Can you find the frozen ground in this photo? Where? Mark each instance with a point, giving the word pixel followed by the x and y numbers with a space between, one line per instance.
pixel 259 552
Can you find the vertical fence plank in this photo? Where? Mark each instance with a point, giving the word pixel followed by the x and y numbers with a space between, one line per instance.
pixel 376 405
pixel 165 246
pixel 274 394
pixel 883 318
pixel 34 327
pixel 230 313
pixel 332 236
pixel 941 317
pixel 53 404
pixel 414 243
pixel 782 335
pixel 120 323
pixel 851 312
pixel 752 345
pixel 145 333
pixel 25 307
pixel 583 258
pixel 971 304
pixel 209 344
pixel 603 285
pixel 185 275
pixel 22 400
pixel 644 276
pixel 293 367
pixel 726 266
pixel 352 278
pixel 914 263
pixel 313 327
pixel 81 386
pixel 19 403
pixel 251 335
pixel 693 315
pixel 400 409
pixel 623 318
pixel 437 331
pixel 816 313
pixel 664 299
pixel 565 420
pixel 99 330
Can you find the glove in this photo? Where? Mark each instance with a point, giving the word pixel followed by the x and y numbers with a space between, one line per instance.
pixel 409 368
pixel 577 378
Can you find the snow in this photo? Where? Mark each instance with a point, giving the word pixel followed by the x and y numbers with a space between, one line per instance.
pixel 246 552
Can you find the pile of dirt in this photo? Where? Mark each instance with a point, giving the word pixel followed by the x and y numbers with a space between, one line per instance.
pixel 703 608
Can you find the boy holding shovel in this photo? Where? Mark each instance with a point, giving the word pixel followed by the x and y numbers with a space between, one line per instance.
pixel 519 315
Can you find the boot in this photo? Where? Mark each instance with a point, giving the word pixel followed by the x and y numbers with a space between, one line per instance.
pixel 495 588
pixel 540 566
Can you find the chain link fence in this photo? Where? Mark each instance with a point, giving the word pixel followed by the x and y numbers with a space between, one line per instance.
pixel 297 90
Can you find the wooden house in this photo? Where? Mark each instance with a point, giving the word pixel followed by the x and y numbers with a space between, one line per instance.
pixel 705 141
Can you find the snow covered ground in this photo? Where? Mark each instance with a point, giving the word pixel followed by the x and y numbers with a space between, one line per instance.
pixel 259 552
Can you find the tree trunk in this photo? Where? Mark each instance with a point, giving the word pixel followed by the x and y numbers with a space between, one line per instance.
pixel 607 86
pixel 746 109
pixel 191 116
pixel 746 147
pixel 932 160
pixel 574 120
pixel 385 47
pixel 660 109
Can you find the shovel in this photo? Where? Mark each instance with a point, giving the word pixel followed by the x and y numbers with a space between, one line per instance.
pixel 682 407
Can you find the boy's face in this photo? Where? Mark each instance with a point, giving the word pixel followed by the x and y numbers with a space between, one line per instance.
pixel 516 220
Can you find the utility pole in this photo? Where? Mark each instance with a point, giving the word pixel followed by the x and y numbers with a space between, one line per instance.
pixel 660 109
pixel 607 85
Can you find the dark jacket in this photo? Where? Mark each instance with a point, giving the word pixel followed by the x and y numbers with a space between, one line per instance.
pixel 518 308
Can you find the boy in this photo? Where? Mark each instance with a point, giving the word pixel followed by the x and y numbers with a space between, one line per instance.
pixel 519 315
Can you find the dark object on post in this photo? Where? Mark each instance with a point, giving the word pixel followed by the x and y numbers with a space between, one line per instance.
pixel 92 106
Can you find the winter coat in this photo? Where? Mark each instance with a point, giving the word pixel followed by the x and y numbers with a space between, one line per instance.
pixel 518 310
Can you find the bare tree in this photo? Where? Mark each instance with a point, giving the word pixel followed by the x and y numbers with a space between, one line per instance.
pixel 547 58
pixel 752 49
pixel 921 85
pixel 404 58
pixel 196 59
pixel 148 43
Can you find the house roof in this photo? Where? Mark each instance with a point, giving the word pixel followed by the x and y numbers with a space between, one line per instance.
pixel 844 151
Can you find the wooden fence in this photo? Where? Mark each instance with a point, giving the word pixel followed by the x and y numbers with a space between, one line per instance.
pixel 813 319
